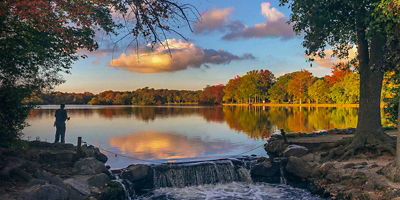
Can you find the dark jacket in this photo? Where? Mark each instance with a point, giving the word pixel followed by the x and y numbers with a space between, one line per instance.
pixel 61 117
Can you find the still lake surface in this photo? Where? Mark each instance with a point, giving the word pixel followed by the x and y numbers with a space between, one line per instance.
pixel 151 134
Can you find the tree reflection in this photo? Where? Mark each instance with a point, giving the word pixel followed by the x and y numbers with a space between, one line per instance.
pixel 255 121
pixel 251 120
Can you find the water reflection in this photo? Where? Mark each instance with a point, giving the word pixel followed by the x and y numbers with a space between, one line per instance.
pixel 256 122
pixel 154 145
pixel 183 132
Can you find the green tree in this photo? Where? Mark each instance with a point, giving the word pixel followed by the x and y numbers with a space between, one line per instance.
pixel 278 92
pixel 368 24
pixel 319 92
pixel 346 91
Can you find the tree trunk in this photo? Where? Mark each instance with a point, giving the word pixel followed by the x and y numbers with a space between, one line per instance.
pixel 398 138
pixel 369 127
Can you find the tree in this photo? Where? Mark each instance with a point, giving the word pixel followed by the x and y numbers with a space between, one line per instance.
pixel 40 39
pixel 231 90
pixel 369 25
pixel 346 91
pixel 212 94
pixel 338 73
pixel 319 92
pixel 278 92
pixel 299 84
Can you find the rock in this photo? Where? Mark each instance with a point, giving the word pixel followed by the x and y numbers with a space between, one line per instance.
pixel 44 192
pixel 266 172
pixel 91 151
pixel 392 172
pixel 136 172
pixel 114 191
pixel 89 166
pixel 326 167
pixel 298 167
pixel 57 156
pixel 99 180
pixel 20 173
pixel 80 184
pixel 349 165
pixel 54 180
pixel 295 150
pixel 332 178
pixel 275 147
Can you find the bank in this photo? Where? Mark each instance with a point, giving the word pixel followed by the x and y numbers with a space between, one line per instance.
pixel 39 170
pixel 307 163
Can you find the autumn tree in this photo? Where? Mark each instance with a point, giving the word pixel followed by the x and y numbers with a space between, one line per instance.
pixel 338 73
pixel 371 26
pixel 231 90
pixel 319 91
pixel 212 95
pixel 299 84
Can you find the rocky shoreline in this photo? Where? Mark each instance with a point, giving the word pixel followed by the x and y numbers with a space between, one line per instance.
pixel 41 170
pixel 305 163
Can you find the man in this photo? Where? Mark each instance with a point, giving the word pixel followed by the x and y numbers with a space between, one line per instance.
pixel 61 117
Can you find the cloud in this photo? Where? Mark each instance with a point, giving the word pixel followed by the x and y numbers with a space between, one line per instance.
pixel 154 145
pixel 272 14
pixel 180 56
pixel 329 60
pixel 275 26
pixel 214 19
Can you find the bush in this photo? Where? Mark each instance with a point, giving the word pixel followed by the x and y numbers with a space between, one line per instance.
pixel 12 113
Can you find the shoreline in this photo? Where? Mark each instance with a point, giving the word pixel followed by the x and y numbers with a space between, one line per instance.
pixel 41 169
pixel 296 105
pixel 307 164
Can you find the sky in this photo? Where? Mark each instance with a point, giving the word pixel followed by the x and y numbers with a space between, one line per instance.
pixel 230 38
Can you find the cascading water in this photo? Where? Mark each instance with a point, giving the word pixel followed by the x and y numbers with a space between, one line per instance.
pixel 182 175
pixel 219 179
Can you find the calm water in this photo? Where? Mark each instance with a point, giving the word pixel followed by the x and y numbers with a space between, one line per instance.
pixel 137 134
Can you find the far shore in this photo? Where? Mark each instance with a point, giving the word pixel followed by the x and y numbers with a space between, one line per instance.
pixel 295 105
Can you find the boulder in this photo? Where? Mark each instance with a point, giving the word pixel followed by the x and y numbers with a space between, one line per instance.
pixel 79 183
pixel 44 192
pixel 298 167
pixel 295 150
pixel 99 180
pixel 266 172
pixel 136 172
pixel 89 166
pixel 91 151
pixel 275 146
pixel 114 191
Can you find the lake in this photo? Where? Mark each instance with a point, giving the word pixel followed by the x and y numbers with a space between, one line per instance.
pixel 155 134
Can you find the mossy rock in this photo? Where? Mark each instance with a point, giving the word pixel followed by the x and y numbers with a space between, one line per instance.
pixel 114 191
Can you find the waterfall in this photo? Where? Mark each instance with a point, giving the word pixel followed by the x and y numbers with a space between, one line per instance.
pixel 283 179
pixel 182 175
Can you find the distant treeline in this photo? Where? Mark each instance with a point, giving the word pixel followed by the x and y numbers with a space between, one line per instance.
pixel 257 86
pixel 143 96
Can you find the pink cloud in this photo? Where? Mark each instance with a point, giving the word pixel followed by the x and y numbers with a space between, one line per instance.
pixel 275 26
pixel 213 19
pixel 180 56
pixel 330 60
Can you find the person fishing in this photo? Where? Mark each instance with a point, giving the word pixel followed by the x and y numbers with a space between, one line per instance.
pixel 61 117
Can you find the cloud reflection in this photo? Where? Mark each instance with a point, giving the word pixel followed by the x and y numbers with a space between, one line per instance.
pixel 152 145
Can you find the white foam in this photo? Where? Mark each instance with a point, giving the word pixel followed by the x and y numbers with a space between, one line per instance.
pixel 233 190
